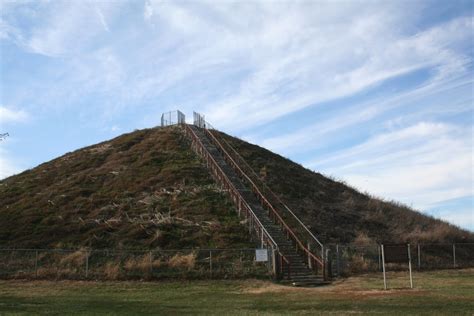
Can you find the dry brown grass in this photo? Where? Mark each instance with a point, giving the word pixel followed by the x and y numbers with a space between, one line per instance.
pixel 112 271
pixel 358 264
pixel 76 258
pixel 55 273
pixel 142 264
pixel 183 261
pixel 362 239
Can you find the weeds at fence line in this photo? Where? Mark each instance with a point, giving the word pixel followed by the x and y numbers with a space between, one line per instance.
pixel 129 265
pixel 343 260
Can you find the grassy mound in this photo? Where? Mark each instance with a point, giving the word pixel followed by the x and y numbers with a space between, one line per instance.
pixel 148 190
pixel 145 189
pixel 337 212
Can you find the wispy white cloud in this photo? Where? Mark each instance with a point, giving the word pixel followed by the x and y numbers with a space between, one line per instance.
pixel 279 69
pixel 57 28
pixel 294 80
pixel 8 166
pixel 366 111
pixel 11 115
pixel 102 19
pixel 461 217
pixel 421 165
pixel 148 12
pixel 248 64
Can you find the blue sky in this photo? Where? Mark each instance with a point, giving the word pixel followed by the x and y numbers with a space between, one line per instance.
pixel 376 93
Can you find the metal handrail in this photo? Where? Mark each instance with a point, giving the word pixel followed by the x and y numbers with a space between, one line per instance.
pixel 268 189
pixel 289 230
pixel 235 191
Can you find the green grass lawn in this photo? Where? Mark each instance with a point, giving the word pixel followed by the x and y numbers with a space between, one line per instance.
pixel 449 292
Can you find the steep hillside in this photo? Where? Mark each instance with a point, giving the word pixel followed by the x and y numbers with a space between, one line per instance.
pixel 146 189
pixel 338 213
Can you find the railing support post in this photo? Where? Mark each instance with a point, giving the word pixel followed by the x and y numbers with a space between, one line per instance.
pixel 275 264
pixel 310 263
pixel 323 259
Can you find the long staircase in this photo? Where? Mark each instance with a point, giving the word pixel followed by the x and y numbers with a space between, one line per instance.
pixel 293 260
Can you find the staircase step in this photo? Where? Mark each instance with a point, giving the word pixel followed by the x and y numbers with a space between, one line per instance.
pixel 298 268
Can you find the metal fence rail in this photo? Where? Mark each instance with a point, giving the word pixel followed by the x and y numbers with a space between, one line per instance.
pixel 113 264
pixel 344 260
pixel 172 118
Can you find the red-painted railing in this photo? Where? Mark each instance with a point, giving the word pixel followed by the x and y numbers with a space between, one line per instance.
pixel 276 213
pixel 221 177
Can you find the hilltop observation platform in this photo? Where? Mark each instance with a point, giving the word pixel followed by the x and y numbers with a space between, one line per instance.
pixel 177 118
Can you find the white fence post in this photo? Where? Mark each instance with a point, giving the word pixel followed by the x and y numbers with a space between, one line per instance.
pixel 454 255
pixel 383 268
pixel 409 266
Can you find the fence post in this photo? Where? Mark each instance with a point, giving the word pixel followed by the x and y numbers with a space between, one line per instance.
pixel 383 268
pixel 36 264
pixel 409 266
pixel 454 255
pixel 87 264
pixel 151 264
pixel 337 261
pixel 210 262
pixel 379 257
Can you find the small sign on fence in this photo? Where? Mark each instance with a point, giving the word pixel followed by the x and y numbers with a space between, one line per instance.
pixel 261 255
pixel 396 253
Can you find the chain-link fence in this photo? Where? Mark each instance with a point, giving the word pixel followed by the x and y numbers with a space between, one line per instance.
pixel 122 265
pixel 344 260
pixel 172 118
